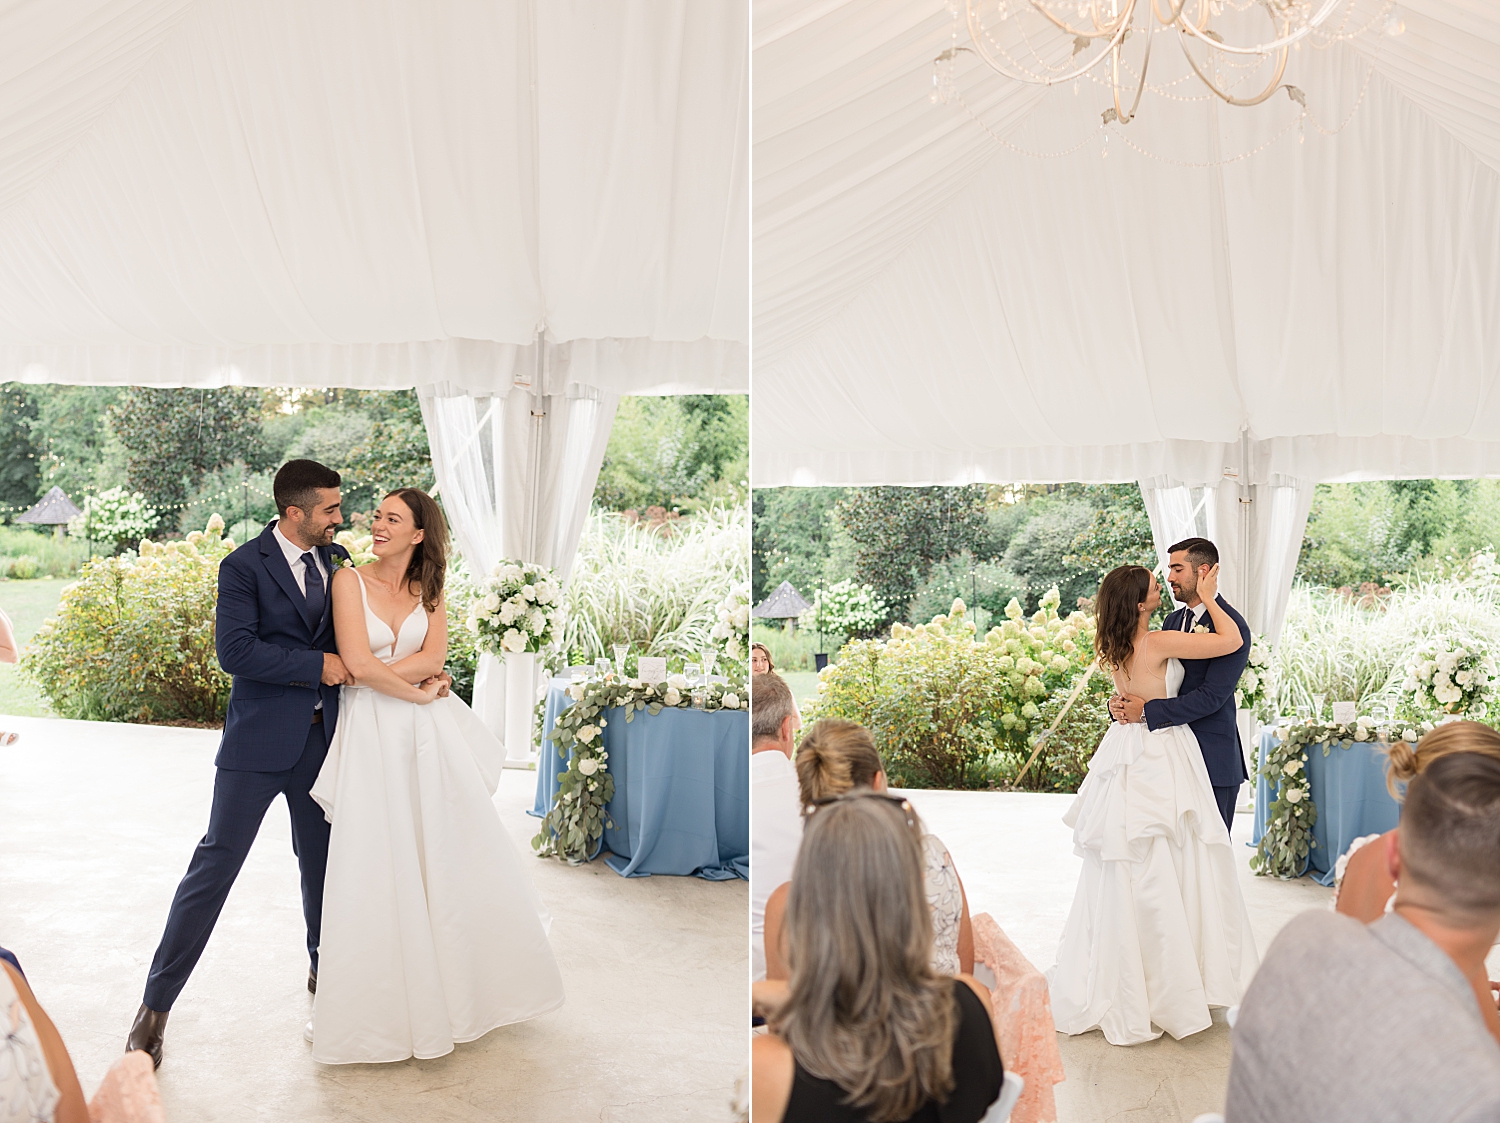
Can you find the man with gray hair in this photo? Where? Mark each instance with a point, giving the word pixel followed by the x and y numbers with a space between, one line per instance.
pixel 775 807
pixel 1394 1021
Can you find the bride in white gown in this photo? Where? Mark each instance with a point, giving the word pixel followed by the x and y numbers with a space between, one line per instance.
pixel 1158 932
pixel 432 931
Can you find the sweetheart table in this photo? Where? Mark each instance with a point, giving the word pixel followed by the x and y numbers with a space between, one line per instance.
pixel 1348 788
pixel 682 789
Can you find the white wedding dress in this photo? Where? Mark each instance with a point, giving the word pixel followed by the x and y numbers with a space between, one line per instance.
pixel 432 930
pixel 1158 932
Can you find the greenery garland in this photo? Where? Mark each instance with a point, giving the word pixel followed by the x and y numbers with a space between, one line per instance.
pixel 1284 847
pixel 574 827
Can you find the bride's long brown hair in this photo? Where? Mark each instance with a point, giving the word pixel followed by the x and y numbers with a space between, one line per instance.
pixel 429 558
pixel 1117 614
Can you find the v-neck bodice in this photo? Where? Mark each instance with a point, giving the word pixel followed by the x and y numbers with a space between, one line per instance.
pixel 391 647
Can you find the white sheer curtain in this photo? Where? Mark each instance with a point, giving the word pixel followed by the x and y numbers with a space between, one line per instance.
pixel 1257 527
pixel 516 473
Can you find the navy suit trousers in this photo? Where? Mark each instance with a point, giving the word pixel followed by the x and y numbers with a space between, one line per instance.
pixel 240 803
pixel 1225 798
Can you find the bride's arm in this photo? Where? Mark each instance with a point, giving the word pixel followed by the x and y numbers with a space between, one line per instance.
pixel 1224 640
pixel 354 644
pixel 429 661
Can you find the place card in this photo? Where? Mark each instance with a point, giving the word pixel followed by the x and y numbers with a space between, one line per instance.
pixel 1343 712
pixel 652 669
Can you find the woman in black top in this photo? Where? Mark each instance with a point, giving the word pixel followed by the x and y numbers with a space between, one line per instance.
pixel 865 1031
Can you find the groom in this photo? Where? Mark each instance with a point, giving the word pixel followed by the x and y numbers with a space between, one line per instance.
pixel 274 634
pixel 1205 701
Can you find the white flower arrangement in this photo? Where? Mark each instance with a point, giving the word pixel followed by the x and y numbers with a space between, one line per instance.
pixel 1457 681
pixel 521 609
pixel 733 628
pixel 574 827
pixel 1254 687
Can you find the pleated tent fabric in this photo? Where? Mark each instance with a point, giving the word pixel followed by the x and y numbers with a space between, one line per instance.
pixel 208 192
pixel 990 290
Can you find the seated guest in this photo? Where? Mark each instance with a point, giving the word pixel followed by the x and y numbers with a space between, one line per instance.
pixel 1364 889
pixel 760 659
pixel 835 757
pixel 1393 1020
pixel 37 1080
pixel 865 1031
pixel 775 812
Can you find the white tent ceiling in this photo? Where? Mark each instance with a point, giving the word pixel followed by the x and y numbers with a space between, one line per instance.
pixel 339 192
pixel 932 306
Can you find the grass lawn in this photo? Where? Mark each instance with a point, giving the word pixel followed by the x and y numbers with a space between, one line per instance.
pixel 27 603
pixel 804 685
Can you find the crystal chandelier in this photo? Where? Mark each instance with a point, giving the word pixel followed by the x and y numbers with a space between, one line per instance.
pixel 1237 49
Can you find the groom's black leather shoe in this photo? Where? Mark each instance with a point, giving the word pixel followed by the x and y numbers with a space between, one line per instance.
pixel 147 1032
pixel 312 981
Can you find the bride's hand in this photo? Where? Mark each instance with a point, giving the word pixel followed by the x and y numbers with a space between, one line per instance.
pixel 431 688
pixel 1208 584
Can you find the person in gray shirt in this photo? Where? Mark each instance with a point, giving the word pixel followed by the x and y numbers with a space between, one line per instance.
pixel 1395 1021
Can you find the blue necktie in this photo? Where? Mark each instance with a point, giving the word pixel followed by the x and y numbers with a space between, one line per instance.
pixel 314 586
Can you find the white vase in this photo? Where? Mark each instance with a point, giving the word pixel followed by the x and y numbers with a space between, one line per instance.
pixel 520 702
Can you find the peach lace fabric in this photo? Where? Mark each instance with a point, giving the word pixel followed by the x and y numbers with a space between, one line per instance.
pixel 1023 1021
pixel 128 1093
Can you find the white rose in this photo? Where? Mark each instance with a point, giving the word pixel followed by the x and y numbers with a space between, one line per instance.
pixel 731 701
pixel 678 682
pixel 671 697
pixel 508 613
pixel 1200 630
pixel 491 602
pixel 576 692
pixel 1292 767
pixel 588 766
pixel 742 617
pixel 586 733
pixel 529 592
pixel 1294 795
pixel 1251 680
pixel 1409 736
pixel 513 640
pixel 536 621
pixel 1462 678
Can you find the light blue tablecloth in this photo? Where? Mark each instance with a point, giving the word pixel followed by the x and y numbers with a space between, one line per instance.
pixel 682 789
pixel 1348 787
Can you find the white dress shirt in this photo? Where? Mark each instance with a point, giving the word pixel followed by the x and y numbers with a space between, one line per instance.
pixel 775 834
pixel 294 554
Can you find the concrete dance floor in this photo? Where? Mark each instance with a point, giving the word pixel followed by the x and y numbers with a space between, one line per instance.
pixel 97 822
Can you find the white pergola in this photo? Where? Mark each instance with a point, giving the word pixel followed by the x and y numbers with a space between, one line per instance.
pixel 1211 307
pixel 525 209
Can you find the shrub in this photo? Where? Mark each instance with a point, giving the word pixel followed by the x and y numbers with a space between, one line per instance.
pixel 54 556
pixel 949 709
pixel 133 640
pixel 459 592
pixel 985 586
pixel 23 568
pixel 845 608
pixel 118 517
pixel 793 650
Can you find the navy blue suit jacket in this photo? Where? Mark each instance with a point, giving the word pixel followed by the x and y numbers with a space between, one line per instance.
pixel 267 640
pixel 1205 702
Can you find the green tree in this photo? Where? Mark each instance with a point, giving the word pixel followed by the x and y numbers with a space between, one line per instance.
pixel 172 437
pixel 675 452
pixel 394 452
pixel 792 533
pixel 74 439
pixel 1039 552
pixel 19 478
pixel 900 531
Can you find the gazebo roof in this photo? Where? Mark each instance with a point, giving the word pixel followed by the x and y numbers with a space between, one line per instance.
pixel 782 604
pixel 52 509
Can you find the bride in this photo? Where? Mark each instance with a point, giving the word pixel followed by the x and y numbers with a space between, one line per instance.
pixel 1158 932
pixel 432 931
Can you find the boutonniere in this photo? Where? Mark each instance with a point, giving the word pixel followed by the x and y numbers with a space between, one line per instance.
pixel 344 562
pixel 1200 630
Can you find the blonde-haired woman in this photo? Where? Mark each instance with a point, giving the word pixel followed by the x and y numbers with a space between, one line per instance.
pixel 1364 889
pixel 835 757
pixel 865 1031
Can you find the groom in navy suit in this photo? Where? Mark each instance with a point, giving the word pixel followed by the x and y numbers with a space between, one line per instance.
pixel 1205 701
pixel 274 634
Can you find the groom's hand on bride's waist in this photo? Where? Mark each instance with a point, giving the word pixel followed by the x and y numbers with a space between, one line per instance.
pixel 334 671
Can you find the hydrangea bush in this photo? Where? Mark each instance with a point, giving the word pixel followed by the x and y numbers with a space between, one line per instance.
pixel 133 639
pixel 952 709
pixel 845 609
pixel 520 609
pixel 116 516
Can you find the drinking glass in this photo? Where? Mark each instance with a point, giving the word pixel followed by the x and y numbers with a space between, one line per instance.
pixel 691 672
pixel 621 650
pixel 709 658
pixel 1318 700
pixel 604 667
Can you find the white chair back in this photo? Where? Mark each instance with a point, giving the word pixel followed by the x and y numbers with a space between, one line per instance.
pixel 1211 1117
pixel 1011 1088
